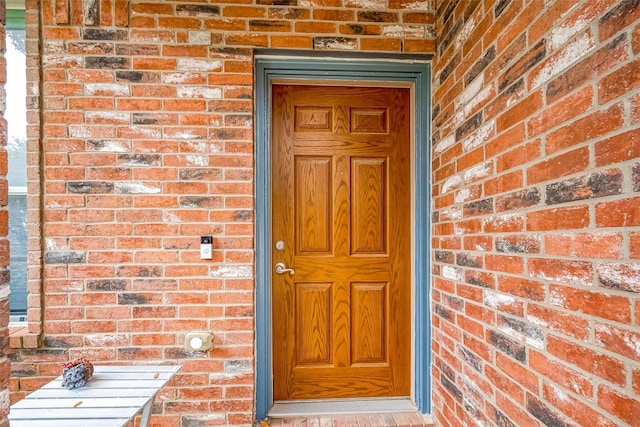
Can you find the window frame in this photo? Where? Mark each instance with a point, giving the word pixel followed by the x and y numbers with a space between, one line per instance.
pixel 16 20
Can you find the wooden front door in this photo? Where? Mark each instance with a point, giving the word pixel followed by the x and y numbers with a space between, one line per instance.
pixel 341 220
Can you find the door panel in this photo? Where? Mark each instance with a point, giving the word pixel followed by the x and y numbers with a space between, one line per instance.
pixel 369 205
pixel 313 311
pixel 368 319
pixel 313 204
pixel 341 206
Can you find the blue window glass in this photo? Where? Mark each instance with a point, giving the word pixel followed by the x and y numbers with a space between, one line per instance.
pixel 18 237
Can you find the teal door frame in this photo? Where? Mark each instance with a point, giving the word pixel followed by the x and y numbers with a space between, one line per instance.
pixel 415 74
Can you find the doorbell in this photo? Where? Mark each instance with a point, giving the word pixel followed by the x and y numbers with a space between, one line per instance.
pixel 206 247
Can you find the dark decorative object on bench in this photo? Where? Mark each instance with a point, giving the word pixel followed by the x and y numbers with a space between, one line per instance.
pixel 76 373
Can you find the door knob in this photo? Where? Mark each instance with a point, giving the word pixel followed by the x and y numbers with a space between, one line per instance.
pixel 281 269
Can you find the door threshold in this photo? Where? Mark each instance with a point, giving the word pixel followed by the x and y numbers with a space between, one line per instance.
pixel 303 408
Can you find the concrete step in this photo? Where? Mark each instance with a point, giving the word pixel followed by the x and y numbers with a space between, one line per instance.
pixel 395 419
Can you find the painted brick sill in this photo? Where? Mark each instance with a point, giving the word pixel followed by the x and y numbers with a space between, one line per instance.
pixel 20 337
pixel 400 419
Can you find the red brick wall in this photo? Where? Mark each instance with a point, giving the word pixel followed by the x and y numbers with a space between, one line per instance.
pixel 143 125
pixel 4 247
pixel 536 234
pixel 146 143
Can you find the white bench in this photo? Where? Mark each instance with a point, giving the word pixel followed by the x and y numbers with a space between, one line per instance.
pixel 112 398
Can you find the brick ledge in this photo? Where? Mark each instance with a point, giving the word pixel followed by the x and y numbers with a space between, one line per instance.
pixel 20 337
